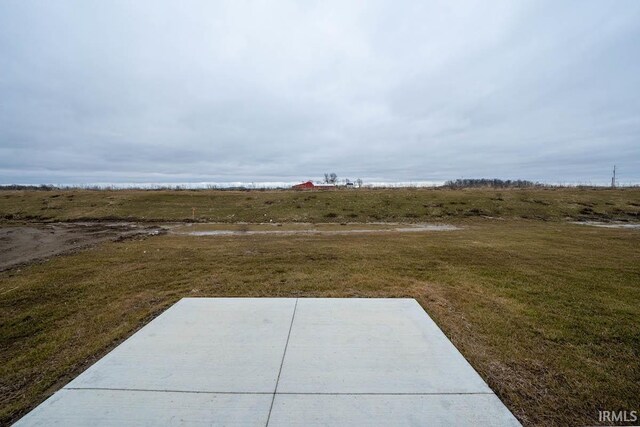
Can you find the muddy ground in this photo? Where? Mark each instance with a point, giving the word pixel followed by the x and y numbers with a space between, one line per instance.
pixel 25 244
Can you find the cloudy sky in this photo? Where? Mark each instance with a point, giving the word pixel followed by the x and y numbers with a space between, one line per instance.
pixel 159 91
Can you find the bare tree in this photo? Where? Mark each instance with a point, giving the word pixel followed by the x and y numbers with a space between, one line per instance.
pixel 330 178
pixel 359 182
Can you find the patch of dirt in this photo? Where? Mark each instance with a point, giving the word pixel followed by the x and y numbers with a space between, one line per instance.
pixel 305 228
pixel 25 244
pixel 628 225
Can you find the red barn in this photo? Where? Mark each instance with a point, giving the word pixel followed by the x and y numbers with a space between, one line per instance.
pixel 304 186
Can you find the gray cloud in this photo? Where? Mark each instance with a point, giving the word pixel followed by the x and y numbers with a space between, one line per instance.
pixel 124 91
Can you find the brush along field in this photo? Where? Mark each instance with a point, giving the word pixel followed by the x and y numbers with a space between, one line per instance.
pixel 548 312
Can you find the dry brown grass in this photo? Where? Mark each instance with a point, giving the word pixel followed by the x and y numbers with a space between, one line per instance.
pixel 408 205
pixel 548 313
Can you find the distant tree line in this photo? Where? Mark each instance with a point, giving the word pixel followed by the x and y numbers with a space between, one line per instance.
pixel 492 183
pixel 13 187
pixel 28 187
pixel 454 184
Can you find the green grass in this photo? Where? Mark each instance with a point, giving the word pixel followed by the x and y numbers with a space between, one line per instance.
pixel 547 312
pixel 408 205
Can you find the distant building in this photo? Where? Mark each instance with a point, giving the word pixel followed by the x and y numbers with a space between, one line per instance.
pixel 309 185
pixel 303 186
pixel 324 186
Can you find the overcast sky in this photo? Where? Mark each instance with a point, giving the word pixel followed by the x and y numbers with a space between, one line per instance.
pixel 135 91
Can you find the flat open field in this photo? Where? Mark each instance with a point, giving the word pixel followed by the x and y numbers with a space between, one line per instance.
pixel 548 312
pixel 363 205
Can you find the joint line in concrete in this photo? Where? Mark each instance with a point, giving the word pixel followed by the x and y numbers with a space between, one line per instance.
pixel 295 307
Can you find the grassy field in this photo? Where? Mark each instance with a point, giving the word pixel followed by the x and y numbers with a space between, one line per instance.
pixel 548 312
pixel 409 205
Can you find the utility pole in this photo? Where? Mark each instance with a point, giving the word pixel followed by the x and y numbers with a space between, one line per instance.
pixel 613 178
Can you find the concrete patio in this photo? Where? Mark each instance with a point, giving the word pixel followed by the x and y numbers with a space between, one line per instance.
pixel 280 362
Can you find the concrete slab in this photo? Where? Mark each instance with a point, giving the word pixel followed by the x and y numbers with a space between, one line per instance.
pixel 372 346
pixel 390 410
pixel 280 362
pixel 97 408
pixel 201 344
